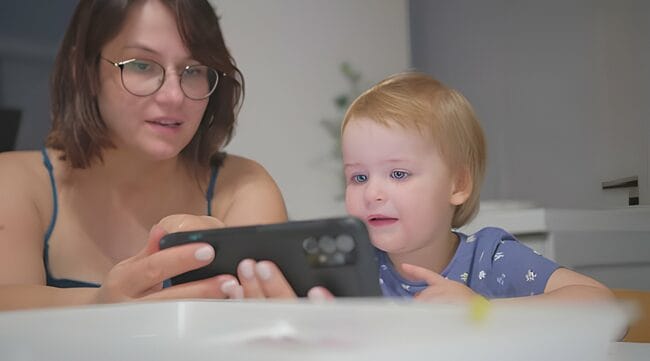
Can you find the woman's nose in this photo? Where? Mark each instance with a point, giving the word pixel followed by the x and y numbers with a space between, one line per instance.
pixel 170 91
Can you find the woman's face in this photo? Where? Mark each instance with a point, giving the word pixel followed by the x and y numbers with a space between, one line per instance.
pixel 160 125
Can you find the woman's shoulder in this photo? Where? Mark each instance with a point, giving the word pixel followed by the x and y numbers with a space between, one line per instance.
pixel 248 193
pixel 24 179
pixel 241 170
pixel 21 166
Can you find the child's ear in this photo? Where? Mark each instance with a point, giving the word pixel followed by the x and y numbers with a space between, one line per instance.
pixel 462 187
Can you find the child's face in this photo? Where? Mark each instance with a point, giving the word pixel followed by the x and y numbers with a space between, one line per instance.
pixel 398 184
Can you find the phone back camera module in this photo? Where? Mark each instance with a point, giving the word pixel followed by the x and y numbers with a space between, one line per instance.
pixel 330 251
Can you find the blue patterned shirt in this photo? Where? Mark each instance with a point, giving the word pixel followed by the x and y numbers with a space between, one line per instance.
pixel 491 262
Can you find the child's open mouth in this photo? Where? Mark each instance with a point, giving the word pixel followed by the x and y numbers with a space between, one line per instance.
pixel 378 221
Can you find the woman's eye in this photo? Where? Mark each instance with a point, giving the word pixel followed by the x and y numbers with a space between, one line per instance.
pixel 194 71
pixel 139 66
pixel 359 178
pixel 399 174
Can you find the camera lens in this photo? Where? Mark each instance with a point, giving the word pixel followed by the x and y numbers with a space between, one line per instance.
pixel 344 243
pixel 310 245
pixel 327 244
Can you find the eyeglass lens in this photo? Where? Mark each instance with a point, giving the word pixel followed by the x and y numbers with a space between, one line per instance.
pixel 144 77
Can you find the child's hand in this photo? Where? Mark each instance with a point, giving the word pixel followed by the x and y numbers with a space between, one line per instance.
pixel 440 289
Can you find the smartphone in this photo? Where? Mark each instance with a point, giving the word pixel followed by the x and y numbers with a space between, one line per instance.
pixel 335 253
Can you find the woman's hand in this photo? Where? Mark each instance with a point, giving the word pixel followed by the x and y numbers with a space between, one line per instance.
pixel 264 279
pixel 258 279
pixel 141 277
pixel 440 289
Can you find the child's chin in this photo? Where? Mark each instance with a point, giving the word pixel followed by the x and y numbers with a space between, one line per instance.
pixel 384 245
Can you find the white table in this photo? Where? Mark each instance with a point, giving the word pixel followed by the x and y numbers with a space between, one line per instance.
pixel 627 351
pixel 341 330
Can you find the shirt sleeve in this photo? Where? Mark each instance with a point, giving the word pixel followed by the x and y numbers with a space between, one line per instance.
pixel 519 271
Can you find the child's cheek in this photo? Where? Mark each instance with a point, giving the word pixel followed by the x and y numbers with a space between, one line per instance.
pixel 353 205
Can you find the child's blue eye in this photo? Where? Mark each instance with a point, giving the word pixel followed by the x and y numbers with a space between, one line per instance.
pixel 399 174
pixel 359 178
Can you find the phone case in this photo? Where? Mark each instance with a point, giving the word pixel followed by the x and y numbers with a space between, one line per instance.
pixel 335 253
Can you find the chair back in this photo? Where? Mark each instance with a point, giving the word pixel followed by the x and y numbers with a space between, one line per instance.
pixel 639 330
pixel 9 124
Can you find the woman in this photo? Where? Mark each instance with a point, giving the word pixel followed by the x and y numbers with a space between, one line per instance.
pixel 144 97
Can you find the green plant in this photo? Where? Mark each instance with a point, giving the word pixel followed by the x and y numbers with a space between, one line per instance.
pixel 341 103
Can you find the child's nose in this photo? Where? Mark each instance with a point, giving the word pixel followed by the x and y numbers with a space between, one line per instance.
pixel 375 192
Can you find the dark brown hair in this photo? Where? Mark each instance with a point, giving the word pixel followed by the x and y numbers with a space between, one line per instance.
pixel 77 126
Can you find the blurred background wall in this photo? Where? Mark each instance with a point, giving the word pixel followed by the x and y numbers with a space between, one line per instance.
pixel 561 87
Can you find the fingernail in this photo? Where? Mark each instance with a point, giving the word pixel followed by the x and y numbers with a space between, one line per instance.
pixel 246 268
pixel 227 286
pixel 316 294
pixel 204 253
pixel 263 271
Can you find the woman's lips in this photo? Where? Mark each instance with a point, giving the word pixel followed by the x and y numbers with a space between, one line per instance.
pixel 165 123
pixel 165 126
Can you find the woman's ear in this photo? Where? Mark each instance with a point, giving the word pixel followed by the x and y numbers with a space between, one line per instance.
pixel 462 187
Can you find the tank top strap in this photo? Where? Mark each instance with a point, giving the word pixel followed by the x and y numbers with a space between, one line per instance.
pixel 211 186
pixel 55 208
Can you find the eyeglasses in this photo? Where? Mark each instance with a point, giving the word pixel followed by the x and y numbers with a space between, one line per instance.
pixel 143 77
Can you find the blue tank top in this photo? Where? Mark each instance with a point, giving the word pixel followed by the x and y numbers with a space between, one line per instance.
pixel 68 283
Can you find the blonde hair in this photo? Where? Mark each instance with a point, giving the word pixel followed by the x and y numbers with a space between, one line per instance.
pixel 415 100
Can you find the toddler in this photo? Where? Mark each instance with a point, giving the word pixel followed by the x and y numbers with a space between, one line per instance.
pixel 414 159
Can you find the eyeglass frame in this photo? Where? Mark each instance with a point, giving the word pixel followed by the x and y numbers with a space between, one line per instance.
pixel 121 65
